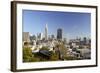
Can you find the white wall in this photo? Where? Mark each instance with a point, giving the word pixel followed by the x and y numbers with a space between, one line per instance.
pixel 5 37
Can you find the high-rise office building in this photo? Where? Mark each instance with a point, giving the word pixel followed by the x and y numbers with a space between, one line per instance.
pixel 52 36
pixel 59 34
pixel 39 36
pixel 26 37
pixel 46 32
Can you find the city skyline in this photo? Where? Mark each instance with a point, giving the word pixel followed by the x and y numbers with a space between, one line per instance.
pixel 73 24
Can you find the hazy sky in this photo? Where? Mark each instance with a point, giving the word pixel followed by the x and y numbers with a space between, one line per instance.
pixel 73 24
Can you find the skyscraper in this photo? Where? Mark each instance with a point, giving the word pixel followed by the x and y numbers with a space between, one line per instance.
pixel 39 36
pixel 26 37
pixel 59 34
pixel 46 32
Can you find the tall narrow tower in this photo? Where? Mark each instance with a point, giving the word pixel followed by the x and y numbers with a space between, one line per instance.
pixel 46 32
pixel 59 34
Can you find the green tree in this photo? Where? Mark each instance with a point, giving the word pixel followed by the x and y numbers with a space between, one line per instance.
pixel 44 48
pixel 27 54
pixel 54 57
pixel 71 58
pixel 63 50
